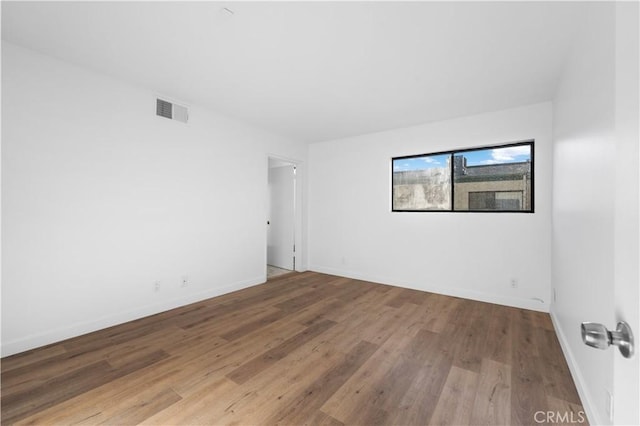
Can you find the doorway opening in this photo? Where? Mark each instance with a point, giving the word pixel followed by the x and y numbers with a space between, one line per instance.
pixel 281 217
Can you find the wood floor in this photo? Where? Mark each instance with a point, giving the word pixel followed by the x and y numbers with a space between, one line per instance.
pixel 274 271
pixel 301 349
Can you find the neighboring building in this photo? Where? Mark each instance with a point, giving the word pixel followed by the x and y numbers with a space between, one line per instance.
pixel 491 187
pixel 428 189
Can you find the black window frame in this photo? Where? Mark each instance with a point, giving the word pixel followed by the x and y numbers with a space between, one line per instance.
pixel 452 154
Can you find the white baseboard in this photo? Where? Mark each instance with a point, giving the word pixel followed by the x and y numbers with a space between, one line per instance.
pixel 534 305
pixel 56 335
pixel 585 395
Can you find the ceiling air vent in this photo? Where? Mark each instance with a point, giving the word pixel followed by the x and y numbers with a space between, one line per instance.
pixel 170 110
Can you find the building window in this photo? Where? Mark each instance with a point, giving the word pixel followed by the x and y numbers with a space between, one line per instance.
pixel 495 200
pixel 490 179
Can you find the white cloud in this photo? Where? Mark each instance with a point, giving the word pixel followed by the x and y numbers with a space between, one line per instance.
pixel 430 160
pixel 503 155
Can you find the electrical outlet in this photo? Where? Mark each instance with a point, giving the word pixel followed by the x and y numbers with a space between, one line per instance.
pixel 514 283
pixel 185 281
pixel 156 286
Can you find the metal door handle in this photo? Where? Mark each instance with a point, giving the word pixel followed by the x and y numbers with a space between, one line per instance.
pixel 597 336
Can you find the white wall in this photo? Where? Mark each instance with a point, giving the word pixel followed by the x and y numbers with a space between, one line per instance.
pixel 101 198
pixel 584 178
pixel 352 231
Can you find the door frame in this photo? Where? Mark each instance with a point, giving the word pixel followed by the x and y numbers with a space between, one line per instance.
pixel 297 211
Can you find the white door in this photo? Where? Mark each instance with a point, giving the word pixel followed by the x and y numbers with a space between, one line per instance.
pixel 626 381
pixel 281 221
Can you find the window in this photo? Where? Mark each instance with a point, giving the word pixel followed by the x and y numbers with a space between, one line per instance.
pixel 495 200
pixel 422 183
pixel 491 179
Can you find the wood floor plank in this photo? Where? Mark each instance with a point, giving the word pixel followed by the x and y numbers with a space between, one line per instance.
pixel 226 358
pixel 221 401
pixel 112 336
pixel 141 408
pixel 466 335
pixel 554 368
pixel 19 405
pixel 499 335
pixel 206 317
pixel 192 410
pixel 385 322
pixel 267 394
pixel 99 403
pixel 419 402
pixel 318 311
pixel 30 357
pixel 564 413
pixel 258 364
pixel 383 397
pixel 306 299
pixel 322 419
pixel 527 384
pixel 359 302
pixel 38 373
pixel 343 336
pixel 542 320
pixel 440 312
pixel 263 394
pixel 386 394
pixel 456 399
pixel 407 295
pixel 306 348
pixel 492 404
pixel 228 320
pixel 69 385
pixel 354 392
pixel 314 396
pixel 254 325
pixel 356 289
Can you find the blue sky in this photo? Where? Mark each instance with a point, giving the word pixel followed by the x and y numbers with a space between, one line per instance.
pixel 512 154
pixel 420 163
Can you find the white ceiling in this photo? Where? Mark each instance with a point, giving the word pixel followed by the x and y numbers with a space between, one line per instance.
pixel 315 70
